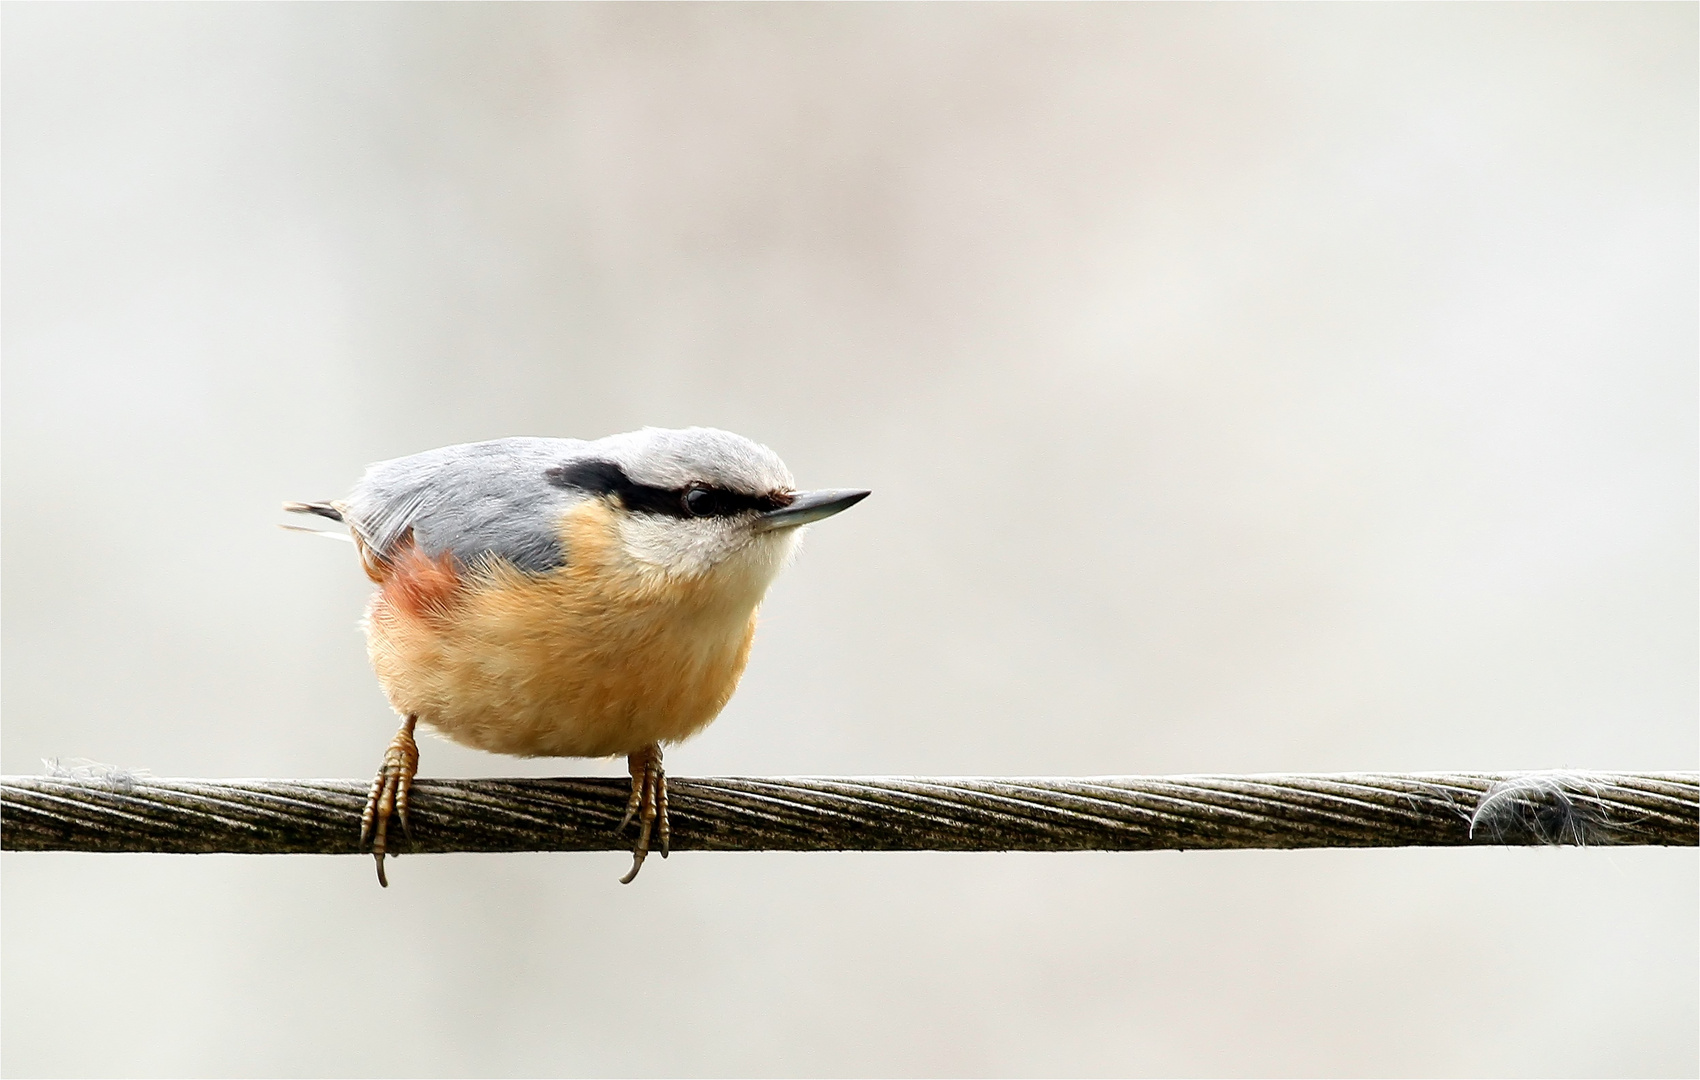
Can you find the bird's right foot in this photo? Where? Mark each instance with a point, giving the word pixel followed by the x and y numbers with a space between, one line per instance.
pixel 648 804
pixel 389 795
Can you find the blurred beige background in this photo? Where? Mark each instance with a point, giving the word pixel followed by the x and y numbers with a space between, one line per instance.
pixel 1242 389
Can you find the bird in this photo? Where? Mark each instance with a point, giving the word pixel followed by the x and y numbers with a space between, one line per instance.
pixel 550 597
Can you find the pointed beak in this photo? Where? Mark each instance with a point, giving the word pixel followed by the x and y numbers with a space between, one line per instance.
pixel 807 506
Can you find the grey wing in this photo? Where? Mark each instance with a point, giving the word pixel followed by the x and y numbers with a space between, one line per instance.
pixel 475 501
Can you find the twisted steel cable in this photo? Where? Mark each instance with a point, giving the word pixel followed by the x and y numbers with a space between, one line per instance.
pixel 120 812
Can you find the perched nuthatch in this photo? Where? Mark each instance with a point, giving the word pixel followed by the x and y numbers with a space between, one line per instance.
pixel 563 598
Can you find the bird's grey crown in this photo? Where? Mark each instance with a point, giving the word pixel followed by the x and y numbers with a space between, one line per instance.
pixel 675 457
pixel 478 501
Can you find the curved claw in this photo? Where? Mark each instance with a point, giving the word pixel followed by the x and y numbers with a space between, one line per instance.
pixel 635 803
pixel 648 804
pixel 388 796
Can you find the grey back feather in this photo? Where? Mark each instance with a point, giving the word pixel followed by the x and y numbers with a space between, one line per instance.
pixel 478 501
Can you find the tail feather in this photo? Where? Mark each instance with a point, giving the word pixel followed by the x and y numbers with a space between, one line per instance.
pixel 326 533
pixel 323 509
pixel 375 565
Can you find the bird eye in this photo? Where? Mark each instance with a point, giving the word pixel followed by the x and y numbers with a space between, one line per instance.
pixel 699 502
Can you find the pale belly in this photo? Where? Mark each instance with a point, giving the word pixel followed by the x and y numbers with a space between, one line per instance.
pixel 604 656
pixel 531 674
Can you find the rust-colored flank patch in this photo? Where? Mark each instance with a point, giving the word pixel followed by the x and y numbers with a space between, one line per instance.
pixel 418 584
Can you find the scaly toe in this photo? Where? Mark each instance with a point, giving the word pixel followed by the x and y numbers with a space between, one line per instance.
pixel 388 797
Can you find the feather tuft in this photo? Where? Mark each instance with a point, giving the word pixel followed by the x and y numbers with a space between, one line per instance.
pixel 1556 807
pixel 77 768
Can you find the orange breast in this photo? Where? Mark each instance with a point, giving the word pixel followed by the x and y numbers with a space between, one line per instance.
pixel 601 657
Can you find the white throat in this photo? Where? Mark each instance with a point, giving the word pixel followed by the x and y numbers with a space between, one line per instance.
pixel 720 552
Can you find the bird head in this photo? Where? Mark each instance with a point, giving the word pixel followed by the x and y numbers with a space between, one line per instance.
pixel 700 502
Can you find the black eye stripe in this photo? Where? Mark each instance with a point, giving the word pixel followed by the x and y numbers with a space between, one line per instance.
pixel 607 478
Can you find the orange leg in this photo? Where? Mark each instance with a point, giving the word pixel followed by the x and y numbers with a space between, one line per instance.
pixel 648 804
pixel 389 795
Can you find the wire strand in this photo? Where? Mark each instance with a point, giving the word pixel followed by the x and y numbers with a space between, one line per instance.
pixel 886 813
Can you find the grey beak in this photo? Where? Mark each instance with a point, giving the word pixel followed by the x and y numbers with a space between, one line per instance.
pixel 807 506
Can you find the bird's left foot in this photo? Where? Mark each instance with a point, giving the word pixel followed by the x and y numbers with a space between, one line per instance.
pixel 648 804
pixel 389 795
